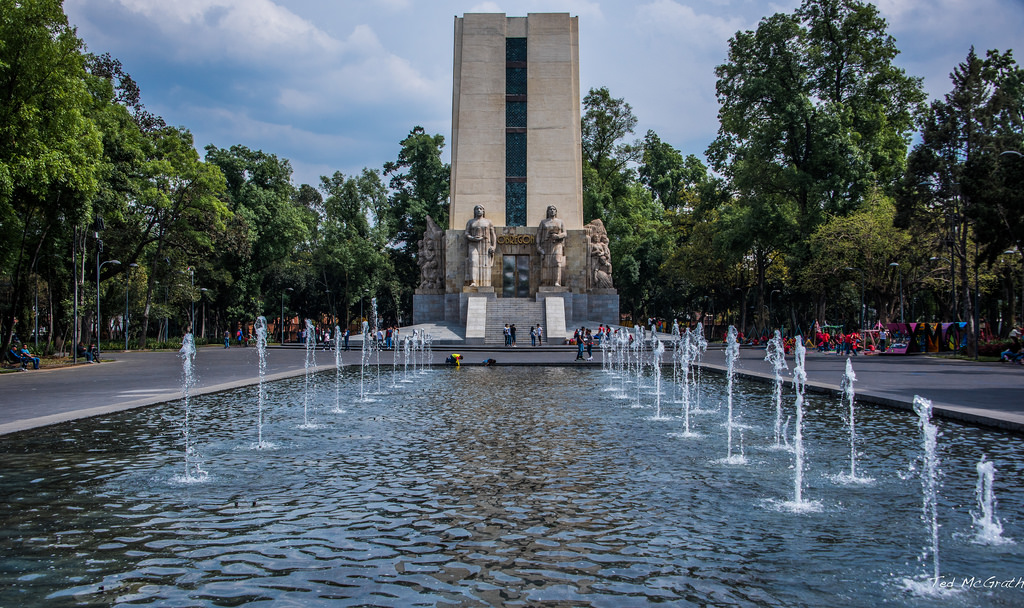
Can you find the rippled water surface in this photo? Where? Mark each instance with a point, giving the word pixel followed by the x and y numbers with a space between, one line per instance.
pixel 491 486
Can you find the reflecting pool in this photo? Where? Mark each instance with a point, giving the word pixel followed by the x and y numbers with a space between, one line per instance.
pixel 496 486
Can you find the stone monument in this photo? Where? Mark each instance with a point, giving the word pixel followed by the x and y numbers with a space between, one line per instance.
pixel 516 152
pixel 431 258
pixel 481 241
pixel 551 246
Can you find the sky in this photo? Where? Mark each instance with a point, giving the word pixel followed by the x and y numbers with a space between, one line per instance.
pixel 335 85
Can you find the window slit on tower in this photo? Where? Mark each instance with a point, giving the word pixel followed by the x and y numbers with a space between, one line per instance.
pixel 515 131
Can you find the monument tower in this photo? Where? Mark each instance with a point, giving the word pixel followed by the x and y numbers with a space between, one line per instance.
pixel 516 249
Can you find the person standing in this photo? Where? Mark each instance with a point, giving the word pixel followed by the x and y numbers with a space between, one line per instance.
pixel 579 345
pixel 227 339
pixel 345 337
pixel 590 346
pixel 533 336
pixel 512 334
pixel 540 335
pixel 508 335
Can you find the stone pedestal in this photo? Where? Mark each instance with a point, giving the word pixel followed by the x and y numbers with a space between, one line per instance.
pixel 476 318
pixel 603 306
pixel 486 293
pixel 554 318
pixel 428 306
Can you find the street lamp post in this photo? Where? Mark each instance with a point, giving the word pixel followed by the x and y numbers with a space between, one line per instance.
pixel 127 278
pixel 1017 251
pixel 861 295
pixel 35 317
pixel 896 264
pixel 98 326
pixel 282 312
pixel 202 327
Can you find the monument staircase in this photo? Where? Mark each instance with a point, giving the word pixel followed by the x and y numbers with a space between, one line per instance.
pixel 524 312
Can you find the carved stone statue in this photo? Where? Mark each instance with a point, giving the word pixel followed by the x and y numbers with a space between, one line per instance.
pixel 600 261
pixel 481 239
pixel 430 256
pixel 551 247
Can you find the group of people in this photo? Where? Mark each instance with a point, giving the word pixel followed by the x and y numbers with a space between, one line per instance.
pixel 842 344
pixel 582 338
pixel 536 335
pixel 24 356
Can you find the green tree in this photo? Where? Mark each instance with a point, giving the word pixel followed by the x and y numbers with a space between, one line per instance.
pixel 606 172
pixel 126 129
pixel 958 184
pixel 814 116
pixel 638 235
pixel 419 185
pixel 813 109
pixel 49 149
pixel 673 181
pixel 994 177
pixel 178 211
pixel 268 226
pixel 868 240
pixel 351 251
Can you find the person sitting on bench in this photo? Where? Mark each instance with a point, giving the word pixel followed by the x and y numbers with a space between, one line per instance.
pixel 27 357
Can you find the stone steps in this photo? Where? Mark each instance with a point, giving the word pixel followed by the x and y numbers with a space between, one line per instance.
pixel 525 313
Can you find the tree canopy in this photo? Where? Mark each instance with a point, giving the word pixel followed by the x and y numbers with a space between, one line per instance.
pixel 811 192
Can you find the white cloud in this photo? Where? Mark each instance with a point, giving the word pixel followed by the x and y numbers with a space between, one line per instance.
pixel 688 26
pixel 486 7
pixel 395 5
pixel 243 29
pixel 370 75
pixel 578 8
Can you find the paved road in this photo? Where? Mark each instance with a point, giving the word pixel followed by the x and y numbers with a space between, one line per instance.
pixel 991 394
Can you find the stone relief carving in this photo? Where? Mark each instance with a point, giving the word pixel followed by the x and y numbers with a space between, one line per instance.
pixel 551 236
pixel 431 256
pixel 600 261
pixel 481 240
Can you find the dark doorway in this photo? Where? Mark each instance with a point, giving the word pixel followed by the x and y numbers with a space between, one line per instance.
pixel 515 272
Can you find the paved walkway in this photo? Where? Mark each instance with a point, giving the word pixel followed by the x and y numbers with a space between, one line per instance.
pixel 983 393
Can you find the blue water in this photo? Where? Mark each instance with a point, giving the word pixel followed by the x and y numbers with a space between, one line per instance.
pixel 492 486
